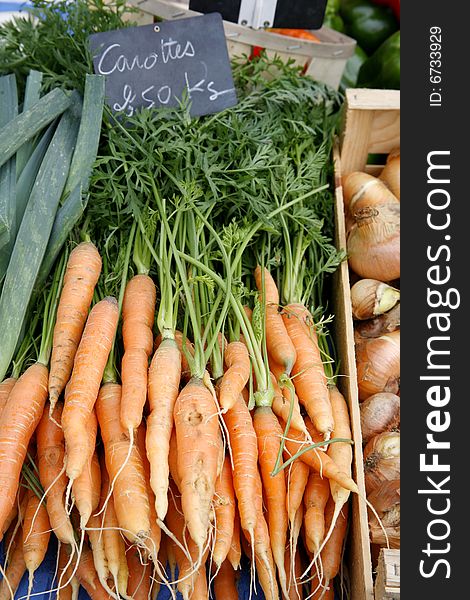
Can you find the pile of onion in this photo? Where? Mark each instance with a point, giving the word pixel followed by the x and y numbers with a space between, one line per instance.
pixel 381 459
pixel 378 364
pixel 379 413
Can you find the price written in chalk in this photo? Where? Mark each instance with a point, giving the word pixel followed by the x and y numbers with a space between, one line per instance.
pixel 158 65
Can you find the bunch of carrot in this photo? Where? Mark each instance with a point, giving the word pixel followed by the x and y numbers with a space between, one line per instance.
pixel 190 455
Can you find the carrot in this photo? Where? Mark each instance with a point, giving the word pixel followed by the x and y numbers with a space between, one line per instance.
pixel 88 577
pixel 83 387
pixel 114 548
pixel 297 477
pixel 278 342
pixel 282 401
pixel 189 346
pixel 5 388
pixel 124 466
pixel 316 496
pixel 138 313
pixel 197 431
pixel 51 453
pixel 14 572
pixel 224 507
pixel 81 275
pixel 318 460
pixel 163 388
pixel 173 461
pixel 176 522
pixel 235 378
pixel 308 371
pixel 244 446
pixel 17 510
pixel 18 422
pixel 138 586
pixel 36 535
pixel 225 583
pixel 333 550
pixel 234 554
pixel 293 566
pixel 340 452
pixel 65 592
pixel 200 589
pixel 269 434
pixel 86 487
pixel 320 591
pixel 152 545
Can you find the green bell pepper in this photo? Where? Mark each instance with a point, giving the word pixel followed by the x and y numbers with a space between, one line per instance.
pixel 382 69
pixel 369 24
pixel 332 18
pixel 351 70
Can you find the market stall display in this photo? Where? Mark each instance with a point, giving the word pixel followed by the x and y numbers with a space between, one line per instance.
pixel 182 326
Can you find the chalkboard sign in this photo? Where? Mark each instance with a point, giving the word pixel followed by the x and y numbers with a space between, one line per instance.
pixel 160 64
pixel 301 14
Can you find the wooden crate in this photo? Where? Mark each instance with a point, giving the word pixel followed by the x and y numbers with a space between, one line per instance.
pixel 325 61
pixel 371 124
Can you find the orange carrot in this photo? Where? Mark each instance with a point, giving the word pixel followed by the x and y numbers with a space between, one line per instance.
pixel 235 378
pixel 173 461
pixel 269 434
pixel 138 313
pixel 200 590
pixel 51 453
pixel 282 401
pixel 163 388
pixel 293 566
pixel 14 572
pixel 84 385
pixel 5 388
pixel 308 371
pixel 83 487
pixel 321 592
pixel 234 554
pixel 318 460
pixel 36 534
pixel 17 510
pixel 114 548
pixel 297 477
pixel 138 586
pixel 316 496
pixel 88 577
pixel 333 550
pixel 124 466
pixel 197 431
pixel 65 592
pixel 185 370
pixel 152 544
pixel 225 583
pixel 224 506
pixel 244 446
pixel 340 452
pixel 18 422
pixel 279 344
pixel 81 275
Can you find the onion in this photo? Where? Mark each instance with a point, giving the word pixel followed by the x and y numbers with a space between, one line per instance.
pixel 361 189
pixel 386 323
pixel 373 242
pixel 378 364
pixel 381 459
pixel 370 298
pixel 386 501
pixel 390 174
pixel 379 413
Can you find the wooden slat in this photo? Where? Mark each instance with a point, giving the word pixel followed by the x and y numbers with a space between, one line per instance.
pixel 360 564
pixel 371 126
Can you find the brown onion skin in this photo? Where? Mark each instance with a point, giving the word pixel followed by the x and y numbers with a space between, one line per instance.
pixel 379 413
pixel 381 460
pixel 386 323
pixel 373 242
pixel 371 298
pixel 378 365
pixel 390 174
pixel 361 189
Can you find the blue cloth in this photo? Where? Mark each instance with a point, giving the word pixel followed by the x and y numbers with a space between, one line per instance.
pixel 43 581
